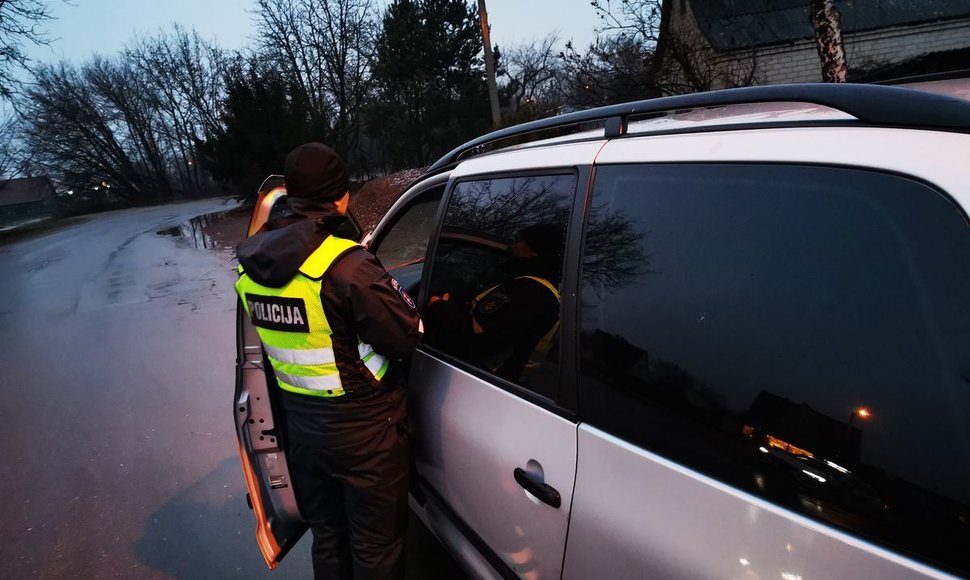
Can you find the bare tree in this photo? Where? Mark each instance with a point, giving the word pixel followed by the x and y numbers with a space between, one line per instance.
pixel 680 59
pixel 534 80
pixel 325 48
pixel 616 253
pixel 827 24
pixel 504 207
pixel 128 127
pixel 20 25
pixel 186 76
pixel 133 114
pixel 685 63
pixel 613 69
pixel 13 156
pixel 71 133
pixel 639 20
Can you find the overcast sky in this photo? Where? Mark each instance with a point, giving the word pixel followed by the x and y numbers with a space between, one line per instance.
pixel 86 27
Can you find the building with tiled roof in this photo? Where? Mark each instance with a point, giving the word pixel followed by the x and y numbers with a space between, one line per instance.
pixel 25 199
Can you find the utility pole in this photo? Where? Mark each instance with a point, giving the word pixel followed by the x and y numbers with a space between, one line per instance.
pixel 489 65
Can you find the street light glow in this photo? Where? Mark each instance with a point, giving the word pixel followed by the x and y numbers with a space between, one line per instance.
pixel 863 413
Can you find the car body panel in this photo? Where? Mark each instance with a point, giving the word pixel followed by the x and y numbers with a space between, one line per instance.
pixel 553 157
pixel 893 150
pixel 639 515
pixel 471 436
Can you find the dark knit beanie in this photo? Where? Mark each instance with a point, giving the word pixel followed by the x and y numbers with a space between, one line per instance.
pixel 314 171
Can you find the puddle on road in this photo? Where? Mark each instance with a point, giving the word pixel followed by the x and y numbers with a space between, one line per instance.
pixel 194 230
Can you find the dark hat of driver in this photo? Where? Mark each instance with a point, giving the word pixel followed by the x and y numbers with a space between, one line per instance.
pixel 545 239
pixel 314 171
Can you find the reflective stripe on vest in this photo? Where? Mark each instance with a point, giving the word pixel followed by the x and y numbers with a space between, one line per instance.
pixel 313 356
pixel 294 329
pixel 543 281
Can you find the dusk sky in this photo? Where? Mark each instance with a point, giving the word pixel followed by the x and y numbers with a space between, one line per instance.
pixel 86 27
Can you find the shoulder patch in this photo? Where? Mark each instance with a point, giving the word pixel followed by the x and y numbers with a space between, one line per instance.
pixel 407 299
pixel 493 302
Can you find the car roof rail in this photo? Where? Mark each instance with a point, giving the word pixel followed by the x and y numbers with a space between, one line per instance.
pixel 876 105
pixel 926 78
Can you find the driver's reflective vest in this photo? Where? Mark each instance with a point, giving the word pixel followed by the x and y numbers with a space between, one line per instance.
pixel 294 329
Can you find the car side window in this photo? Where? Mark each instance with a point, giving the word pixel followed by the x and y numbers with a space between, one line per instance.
pixel 402 245
pixel 801 333
pixel 496 279
pixel 405 241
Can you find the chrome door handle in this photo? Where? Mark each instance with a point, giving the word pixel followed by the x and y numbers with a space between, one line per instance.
pixel 543 492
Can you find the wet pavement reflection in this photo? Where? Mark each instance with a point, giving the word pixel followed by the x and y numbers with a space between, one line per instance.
pixel 194 230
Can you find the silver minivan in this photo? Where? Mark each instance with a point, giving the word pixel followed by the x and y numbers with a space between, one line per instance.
pixel 761 362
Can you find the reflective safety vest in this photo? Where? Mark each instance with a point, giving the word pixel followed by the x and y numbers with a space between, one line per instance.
pixel 294 329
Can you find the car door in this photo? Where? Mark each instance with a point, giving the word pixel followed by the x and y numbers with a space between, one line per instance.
pixel 259 425
pixel 773 372
pixel 495 454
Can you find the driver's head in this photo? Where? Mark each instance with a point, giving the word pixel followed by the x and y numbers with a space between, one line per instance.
pixel 315 177
pixel 543 240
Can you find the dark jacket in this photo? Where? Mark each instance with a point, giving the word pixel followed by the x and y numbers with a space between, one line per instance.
pixel 360 299
pixel 514 317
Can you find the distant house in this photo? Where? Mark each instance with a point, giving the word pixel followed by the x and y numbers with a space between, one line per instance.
pixel 771 41
pixel 25 199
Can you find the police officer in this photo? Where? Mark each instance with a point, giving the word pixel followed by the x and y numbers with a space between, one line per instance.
pixel 335 326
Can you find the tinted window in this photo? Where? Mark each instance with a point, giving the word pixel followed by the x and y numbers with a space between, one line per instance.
pixel 801 333
pixel 496 277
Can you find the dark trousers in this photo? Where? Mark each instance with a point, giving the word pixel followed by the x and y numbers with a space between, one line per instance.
pixel 354 495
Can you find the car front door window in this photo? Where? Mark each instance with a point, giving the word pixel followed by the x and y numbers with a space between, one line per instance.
pixel 495 283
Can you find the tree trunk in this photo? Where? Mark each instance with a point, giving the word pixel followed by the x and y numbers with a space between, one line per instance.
pixel 827 24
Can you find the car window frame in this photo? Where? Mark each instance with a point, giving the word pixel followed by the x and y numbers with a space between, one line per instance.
pixel 382 230
pixel 564 404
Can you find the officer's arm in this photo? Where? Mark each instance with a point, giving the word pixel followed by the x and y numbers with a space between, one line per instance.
pixel 384 315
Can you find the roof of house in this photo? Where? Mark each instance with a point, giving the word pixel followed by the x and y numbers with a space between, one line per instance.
pixel 737 24
pixel 25 190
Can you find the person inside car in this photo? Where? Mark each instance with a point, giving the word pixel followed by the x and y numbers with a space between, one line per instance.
pixel 515 321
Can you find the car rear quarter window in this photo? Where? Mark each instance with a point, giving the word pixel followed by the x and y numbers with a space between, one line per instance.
pixel 497 275
pixel 801 333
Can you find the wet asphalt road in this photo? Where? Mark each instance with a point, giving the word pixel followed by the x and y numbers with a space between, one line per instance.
pixel 118 452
